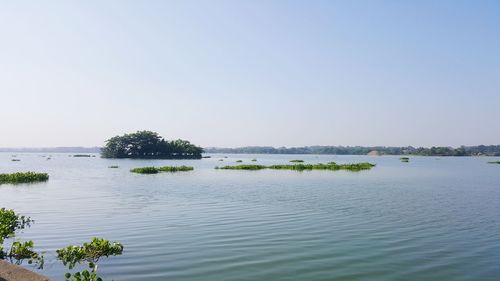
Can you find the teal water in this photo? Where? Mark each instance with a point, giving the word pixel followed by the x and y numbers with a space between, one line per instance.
pixel 429 219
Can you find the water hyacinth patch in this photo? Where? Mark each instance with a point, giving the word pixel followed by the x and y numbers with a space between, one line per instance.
pixel 243 167
pixel 175 168
pixel 155 170
pixel 329 166
pixel 145 170
pixel 332 166
pixel 26 177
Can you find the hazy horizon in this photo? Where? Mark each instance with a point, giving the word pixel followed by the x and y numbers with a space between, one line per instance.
pixel 254 73
pixel 228 147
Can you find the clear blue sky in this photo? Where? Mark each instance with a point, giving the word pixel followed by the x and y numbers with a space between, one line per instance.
pixel 236 73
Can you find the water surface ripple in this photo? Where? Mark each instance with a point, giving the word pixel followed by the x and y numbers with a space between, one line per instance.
pixel 429 219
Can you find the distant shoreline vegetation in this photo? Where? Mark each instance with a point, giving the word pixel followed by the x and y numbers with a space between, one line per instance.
pixel 480 150
pixel 332 166
pixel 149 145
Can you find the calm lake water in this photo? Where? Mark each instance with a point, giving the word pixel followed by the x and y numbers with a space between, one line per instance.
pixel 429 219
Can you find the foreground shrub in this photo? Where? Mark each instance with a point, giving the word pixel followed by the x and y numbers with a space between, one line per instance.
pixel 88 253
pixel 10 223
pixel 21 251
pixel 26 177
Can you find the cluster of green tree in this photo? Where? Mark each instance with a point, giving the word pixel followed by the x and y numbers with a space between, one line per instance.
pixel 488 150
pixel 149 145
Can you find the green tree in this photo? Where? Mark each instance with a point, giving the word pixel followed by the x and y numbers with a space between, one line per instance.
pixel 149 145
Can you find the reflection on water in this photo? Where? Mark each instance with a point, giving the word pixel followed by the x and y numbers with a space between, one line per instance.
pixel 422 220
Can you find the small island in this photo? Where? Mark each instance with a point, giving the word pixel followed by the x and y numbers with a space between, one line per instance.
pixel 149 145
pixel 494 162
pixel 297 161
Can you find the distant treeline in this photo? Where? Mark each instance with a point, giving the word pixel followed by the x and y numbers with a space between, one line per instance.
pixel 72 149
pixel 479 150
pixel 488 150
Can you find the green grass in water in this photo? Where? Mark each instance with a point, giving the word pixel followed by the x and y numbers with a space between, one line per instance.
pixel 243 167
pixel 175 168
pixel 145 170
pixel 26 177
pixel 332 166
pixel 494 162
pixel 113 167
pixel 297 161
pixel 239 161
pixel 155 170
